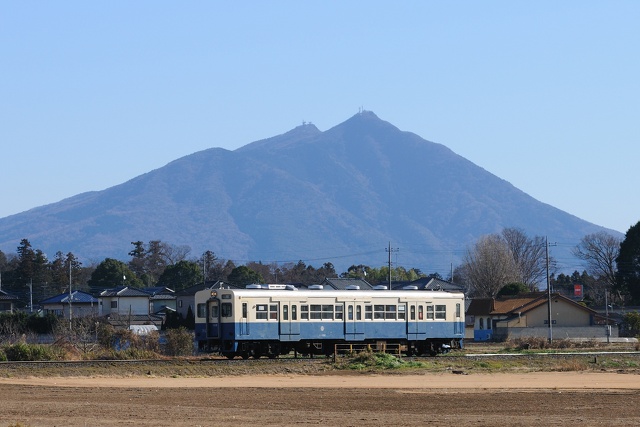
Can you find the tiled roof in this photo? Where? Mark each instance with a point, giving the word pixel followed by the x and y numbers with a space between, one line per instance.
pixel 342 283
pixel 77 297
pixel 155 290
pixel 124 291
pixel 7 297
pixel 512 305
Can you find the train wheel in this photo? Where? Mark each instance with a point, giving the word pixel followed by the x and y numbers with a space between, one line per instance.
pixel 244 355
pixel 230 356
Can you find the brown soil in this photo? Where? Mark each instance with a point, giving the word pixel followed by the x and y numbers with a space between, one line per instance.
pixel 500 399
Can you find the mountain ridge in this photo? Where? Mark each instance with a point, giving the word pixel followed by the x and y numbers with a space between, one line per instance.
pixel 306 194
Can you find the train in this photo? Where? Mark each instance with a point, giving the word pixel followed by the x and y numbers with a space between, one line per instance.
pixel 273 320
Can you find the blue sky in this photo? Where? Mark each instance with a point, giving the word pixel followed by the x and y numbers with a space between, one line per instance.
pixel 544 94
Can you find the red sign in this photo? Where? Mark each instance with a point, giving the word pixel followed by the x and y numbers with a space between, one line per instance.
pixel 577 290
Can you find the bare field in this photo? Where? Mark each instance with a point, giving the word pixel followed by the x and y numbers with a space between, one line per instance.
pixel 189 393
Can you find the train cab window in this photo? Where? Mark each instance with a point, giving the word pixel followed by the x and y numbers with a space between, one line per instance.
pixel 285 312
pixel 402 312
pixel 368 312
pixel 304 312
pixel 327 311
pixel 213 312
pixel 226 310
pixel 273 312
pixel 441 312
pixel 488 323
pixel 201 310
pixel 294 312
pixel 430 312
pixel 316 311
pixel 481 323
pixel 458 310
pixel 350 312
pixel 390 312
pixel 358 312
pixel 378 311
pixel 261 311
pixel 412 312
pixel 420 312
pixel 244 310
pixel 339 310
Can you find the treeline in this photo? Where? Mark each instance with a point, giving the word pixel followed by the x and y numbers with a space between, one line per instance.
pixel 32 277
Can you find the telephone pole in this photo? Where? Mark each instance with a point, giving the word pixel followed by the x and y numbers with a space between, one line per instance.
pixel 389 251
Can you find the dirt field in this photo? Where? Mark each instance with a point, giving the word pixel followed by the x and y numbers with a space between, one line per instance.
pixel 501 399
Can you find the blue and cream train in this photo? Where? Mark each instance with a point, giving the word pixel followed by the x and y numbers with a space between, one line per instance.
pixel 270 320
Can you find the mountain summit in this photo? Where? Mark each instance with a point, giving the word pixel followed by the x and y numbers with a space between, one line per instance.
pixel 336 196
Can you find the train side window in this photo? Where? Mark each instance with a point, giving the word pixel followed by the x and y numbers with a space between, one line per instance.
pixel 285 312
pixel 226 310
pixel 316 311
pixel 402 312
pixel 304 312
pixel 481 327
pixel 412 312
pixel 390 312
pixel 327 311
pixel 261 311
pixel 358 312
pixel 378 311
pixel 420 312
pixel 368 312
pixel 458 310
pixel 294 312
pixel 350 312
pixel 339 310
pixel 202 310
pixel 441 312
pixel 430 312
pixel 244 310
pixel 273 312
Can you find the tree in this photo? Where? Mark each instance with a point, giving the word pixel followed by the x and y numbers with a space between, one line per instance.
pixel 112 273
pixel 488 266
pixel 514 288
pixel 529 256
pixel 628 263
pixel 599 251
pixel 181 275
pixel 243 276
pixel 208 262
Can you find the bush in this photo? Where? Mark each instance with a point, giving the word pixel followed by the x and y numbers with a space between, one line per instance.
pixel 30 352
pixel 179 342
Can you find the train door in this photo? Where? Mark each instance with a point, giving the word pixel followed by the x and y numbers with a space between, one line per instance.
pixel 353 325
pixel 458 326
pixel 213 320
pixel 289 321
pixel 415 320
pixel 244 324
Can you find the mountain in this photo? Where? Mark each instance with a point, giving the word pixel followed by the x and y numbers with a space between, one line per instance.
pixel 336 196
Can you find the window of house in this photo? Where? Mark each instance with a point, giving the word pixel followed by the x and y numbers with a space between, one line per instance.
pixel 114 304
pixel 261 311
pixel 441 311
pixel 180 303
pixel 226 310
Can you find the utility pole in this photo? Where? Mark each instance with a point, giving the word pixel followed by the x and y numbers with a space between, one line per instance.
pixel 31 296
pixel 390 250
pixel 70 296
pixel 549 293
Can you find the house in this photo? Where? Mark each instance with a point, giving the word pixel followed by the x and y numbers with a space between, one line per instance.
pixel 185 298
pixel 161 299
pixel 7 302
pixel 79 304
pixel 527 315
pixel 428 284
pixel 124 301
pixel 341 283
